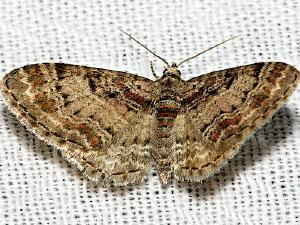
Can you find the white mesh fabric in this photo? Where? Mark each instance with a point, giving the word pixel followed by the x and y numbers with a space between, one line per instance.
pixel 259 186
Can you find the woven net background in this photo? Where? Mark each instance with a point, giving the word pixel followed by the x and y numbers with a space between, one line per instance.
pixel 259 186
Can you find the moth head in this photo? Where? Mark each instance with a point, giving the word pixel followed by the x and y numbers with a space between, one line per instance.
pixel 172 71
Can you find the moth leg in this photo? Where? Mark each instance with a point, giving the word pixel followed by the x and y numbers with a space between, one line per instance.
pixel 153 72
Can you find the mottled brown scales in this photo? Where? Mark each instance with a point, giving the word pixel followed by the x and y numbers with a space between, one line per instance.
pixel 112 124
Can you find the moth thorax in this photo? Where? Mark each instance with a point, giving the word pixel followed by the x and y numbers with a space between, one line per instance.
pixel 170 82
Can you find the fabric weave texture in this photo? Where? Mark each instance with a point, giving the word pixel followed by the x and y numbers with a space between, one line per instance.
pixel 259 186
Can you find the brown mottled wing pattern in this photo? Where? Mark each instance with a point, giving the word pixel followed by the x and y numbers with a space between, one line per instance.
pixel 224 108
pixel 99 119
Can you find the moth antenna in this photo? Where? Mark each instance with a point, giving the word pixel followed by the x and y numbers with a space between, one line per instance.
pixel 194 56
pixel 165 61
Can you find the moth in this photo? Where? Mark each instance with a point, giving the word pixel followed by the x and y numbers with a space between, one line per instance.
pixel 112 125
